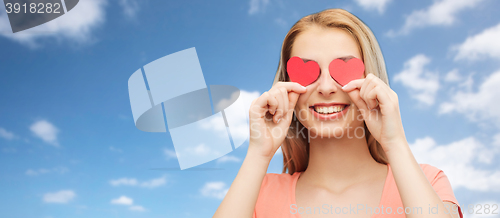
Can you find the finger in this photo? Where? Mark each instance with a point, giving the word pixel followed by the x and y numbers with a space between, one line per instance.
pixel 353 84
pixel 276 93
pixel 365 89
pixel 385 87
pixel 263 104
pixel 292 87
pixel 293 97
pixel 293 101
pixel 393 95
pixel 272 103
pixel 286 104
pixel 358 101
pixel 371 97
pixel 365 86
pixel 381 96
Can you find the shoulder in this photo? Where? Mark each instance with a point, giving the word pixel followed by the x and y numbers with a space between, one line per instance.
pixel 278 178
pixel 431 172
pixel 429 168
pixel 275 192
pixel 274 182
pixel 441 184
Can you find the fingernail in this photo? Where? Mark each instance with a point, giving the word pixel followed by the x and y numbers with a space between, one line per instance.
pixel 345 86
pixel 303 87
pixel 279 120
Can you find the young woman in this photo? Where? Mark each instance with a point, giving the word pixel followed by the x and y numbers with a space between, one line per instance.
pixel 345 152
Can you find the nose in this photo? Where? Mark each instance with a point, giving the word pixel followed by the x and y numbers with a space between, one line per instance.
pixel 327 85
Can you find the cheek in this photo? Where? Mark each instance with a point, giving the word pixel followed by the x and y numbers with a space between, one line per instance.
pixel 301 102
pixel 301 110
pixel 355 115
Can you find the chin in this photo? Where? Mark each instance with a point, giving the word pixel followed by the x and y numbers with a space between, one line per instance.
pixel 336 130
pixel 336 134
pixel 321 129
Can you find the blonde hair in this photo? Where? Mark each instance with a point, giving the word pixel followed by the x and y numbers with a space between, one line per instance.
pixel 295 148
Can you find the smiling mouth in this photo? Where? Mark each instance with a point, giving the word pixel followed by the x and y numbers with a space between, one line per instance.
pixel 329 109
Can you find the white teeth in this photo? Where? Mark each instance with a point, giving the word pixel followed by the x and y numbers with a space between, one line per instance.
pixel 329 110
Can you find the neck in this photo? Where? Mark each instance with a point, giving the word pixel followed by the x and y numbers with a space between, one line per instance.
pixel 339 161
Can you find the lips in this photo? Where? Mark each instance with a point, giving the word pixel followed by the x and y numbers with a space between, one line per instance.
pixel 329 104
pixel 328 111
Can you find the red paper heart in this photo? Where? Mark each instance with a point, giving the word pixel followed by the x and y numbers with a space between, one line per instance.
pixel 302 73
pixel 343 72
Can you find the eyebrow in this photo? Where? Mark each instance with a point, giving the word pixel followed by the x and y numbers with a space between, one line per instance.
pixel 345 58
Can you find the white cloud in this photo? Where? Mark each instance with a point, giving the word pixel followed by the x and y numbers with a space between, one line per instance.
pixel 467 83
pixel 46 131
pixel 127 201
pixel 214 190
pixel 214 128
pixel 239 126
pixel 130 7
pixel 257 6
pixel 124 181
pixel 457 160
pixel 422 83
pixel 137 208
pixel 281 22
pixel 113 149
pixel 123 200
pixel 153 183
pixel 60 197
pixel 480 105
pixel 31 172
pixel 228 158
pixel 76 25
pixel 452 76
pixel 202 150
pixel 169 154
pixel 9 150
pixel 496 139
pixel 482 45
pixel 455 81
pixel 378 5
pixel 213 125
pixel 440 13
pixel 6 134
pixel 60 170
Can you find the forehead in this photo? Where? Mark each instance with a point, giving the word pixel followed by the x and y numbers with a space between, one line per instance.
pixel 325 44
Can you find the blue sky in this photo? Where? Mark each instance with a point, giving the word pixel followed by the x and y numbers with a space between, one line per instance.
pixel 69 147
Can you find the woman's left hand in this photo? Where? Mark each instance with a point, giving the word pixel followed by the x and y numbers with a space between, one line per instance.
pixel 379 106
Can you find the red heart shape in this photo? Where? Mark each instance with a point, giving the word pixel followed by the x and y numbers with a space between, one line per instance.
pixel 343 72
pixel 302 73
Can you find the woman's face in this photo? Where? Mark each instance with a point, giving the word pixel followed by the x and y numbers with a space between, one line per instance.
pixel 317 108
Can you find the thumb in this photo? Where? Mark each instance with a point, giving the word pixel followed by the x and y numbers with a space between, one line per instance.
pixel 358 101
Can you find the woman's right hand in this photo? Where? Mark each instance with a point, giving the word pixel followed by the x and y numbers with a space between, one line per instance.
pixel 270 118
